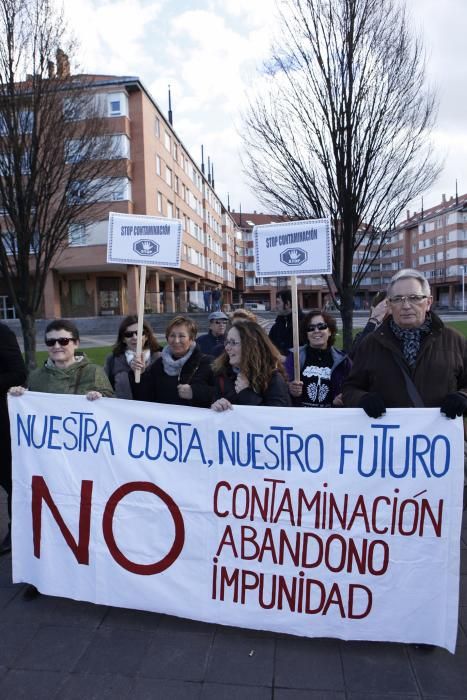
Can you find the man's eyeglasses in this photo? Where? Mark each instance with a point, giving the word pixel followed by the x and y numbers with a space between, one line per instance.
pixel 130 334
pixel 50 342
pixel 317 326
pixel 410 298
pixel 231 342
pixel 222 322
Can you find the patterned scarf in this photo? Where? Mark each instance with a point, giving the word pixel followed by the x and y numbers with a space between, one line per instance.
pixel 411 339
pixel 173 366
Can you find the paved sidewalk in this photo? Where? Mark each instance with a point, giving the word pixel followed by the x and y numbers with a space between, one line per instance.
pixel 58 648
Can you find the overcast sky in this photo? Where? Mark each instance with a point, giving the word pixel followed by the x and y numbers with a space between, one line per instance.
pixel 210 50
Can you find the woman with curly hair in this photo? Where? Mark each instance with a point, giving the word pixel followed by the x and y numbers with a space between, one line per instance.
pixel 322 367
pixel 249 372
pixel 117 365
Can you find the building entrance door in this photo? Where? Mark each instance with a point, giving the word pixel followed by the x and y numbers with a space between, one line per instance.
pixel 109 291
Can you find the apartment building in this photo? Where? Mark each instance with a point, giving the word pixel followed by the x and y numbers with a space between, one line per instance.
pixel 433 241
pixel 155 175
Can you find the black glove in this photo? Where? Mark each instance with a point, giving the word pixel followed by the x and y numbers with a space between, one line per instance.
pixel 454 405
pixel 373 405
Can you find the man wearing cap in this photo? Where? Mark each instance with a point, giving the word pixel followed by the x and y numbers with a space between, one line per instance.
pixel 212 343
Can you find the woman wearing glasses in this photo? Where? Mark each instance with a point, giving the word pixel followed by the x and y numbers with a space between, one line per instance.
pixel 322 367
pixel 181 375
pixel 117 365
pixel 64 372
pixel 249 371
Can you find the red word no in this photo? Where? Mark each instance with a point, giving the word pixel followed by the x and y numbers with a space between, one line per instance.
pixel 80 548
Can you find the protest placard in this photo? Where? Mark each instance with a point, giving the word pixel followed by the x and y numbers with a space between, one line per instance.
pixel 137 239
pixel 143 240
pixel 293 248
pixel 349 528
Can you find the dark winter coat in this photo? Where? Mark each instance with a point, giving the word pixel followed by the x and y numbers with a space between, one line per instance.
pixel 117 369
pixel 339 370
pixel 159 387
pixel 12 373
pixel 276 394
pixel 281 333
pixel 440 368
pixel 210 344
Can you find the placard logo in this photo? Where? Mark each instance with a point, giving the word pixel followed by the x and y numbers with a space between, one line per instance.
pixel 293 257
pixel 146 247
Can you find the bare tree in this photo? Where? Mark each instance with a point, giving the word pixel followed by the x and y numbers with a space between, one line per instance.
pixel 55 152
pixel 342 128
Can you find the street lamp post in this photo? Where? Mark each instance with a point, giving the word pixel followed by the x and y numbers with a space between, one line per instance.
pixel 463 288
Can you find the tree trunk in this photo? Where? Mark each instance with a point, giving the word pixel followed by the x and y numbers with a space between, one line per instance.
pixel 28 326
pixel 347 319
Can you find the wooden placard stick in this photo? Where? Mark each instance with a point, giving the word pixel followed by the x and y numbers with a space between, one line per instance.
pixel 296 335
pixel 139 338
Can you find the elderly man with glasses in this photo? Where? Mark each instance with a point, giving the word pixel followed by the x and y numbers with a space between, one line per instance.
pixel 412 359
pixel 212 342
pixel 412 352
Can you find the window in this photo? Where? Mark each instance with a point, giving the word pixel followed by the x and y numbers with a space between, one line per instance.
pixel 77 234
pixel 167 140
pixel 159 202
pixel 158 165
pixel 110 147
pixel 170 210
pixel 175 152
pixel 114 189
pixel 117 104
pixel 157 127
pixel 168 176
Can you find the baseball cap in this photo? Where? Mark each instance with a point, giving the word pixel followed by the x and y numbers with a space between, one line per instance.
pixel 217 316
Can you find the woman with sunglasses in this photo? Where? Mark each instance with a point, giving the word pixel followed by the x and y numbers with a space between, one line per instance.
pixel 249 371
pixel 64 372
pixel 117 365
pixel 322 367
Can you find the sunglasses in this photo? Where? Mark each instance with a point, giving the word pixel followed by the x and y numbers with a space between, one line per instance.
pixel 130 334
pixel 50 342
pixel 224 322
pixel 317 326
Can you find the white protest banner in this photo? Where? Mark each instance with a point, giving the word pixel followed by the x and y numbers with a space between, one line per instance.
pixel 136 239
pixel 349 528
pixel 293 248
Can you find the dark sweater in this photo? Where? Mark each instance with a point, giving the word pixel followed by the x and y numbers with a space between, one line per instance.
pixel 276 394
pixel 159 387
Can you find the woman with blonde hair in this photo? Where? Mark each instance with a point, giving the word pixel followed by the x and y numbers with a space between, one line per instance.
pixel 249 371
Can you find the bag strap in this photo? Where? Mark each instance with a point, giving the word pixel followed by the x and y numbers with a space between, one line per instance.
pixel 79 372
pixel 409 385
pixel 222 383
pixel 190 376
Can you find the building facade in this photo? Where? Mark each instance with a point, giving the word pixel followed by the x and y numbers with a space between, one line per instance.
pixel 154 175
pixel 433 241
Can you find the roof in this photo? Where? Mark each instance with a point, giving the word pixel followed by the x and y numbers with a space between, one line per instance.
pixel 248 220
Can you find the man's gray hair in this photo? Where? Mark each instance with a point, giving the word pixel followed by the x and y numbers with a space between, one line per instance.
pixel 409 273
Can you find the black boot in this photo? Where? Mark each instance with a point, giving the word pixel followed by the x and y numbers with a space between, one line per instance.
pixel 30 592
pixel 5 546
